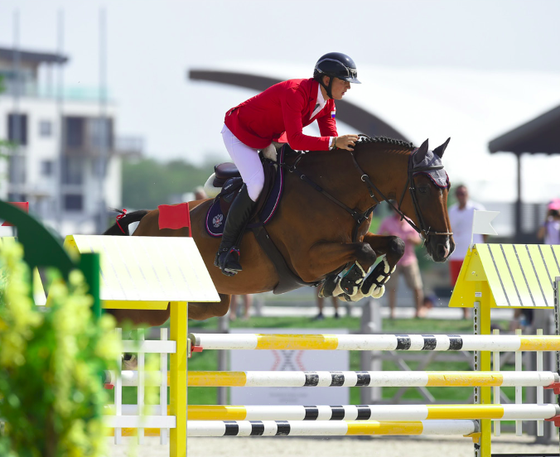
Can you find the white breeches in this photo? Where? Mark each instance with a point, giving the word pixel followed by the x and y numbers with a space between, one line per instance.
pixel 247 161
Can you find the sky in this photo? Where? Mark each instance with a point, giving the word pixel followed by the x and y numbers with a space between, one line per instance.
pixel 151 45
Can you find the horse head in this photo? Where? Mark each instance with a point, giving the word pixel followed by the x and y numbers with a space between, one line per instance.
pixel 427 205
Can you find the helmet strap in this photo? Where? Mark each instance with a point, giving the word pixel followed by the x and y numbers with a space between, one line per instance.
pixel 329 87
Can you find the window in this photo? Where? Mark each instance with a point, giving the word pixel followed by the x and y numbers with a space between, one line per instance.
pixel 14 197
pixel 17 128
pixel 72 170
pixel 73 202
pixel 45 128
pixel 75 132
pixel 16 169
pixel 47 167
pixel 100 132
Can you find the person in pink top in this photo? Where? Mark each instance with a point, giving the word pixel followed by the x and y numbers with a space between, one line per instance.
pixel 407 265
pixel 279 114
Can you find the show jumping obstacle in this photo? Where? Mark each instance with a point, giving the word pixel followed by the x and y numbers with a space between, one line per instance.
pixel 484 283
pixel 165 272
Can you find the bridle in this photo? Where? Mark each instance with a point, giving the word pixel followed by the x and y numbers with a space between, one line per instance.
pixel 424 230
pixel 359 217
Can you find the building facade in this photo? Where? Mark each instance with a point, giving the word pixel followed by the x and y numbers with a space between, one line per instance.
pixel 62 157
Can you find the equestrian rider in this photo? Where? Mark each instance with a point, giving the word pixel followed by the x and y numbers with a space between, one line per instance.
pixel 279 114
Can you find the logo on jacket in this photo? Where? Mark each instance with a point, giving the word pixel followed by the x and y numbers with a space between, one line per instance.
pixel 333 113
pixel 218 220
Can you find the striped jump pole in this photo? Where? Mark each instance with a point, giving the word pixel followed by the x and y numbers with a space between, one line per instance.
pixel 361 412
pixel 370 378
pixel 501 343
pixel 338 428
pixel 348 378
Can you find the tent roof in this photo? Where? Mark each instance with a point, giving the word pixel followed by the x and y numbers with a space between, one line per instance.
pixel 539 135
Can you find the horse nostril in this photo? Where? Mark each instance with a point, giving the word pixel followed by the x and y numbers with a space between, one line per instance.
pixel 442 251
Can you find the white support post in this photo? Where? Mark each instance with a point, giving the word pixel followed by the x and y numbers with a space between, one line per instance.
pixel 540 389
pixel 496 390
pixel 164 432
pixel 118 393
pixel 518 389
pixel 141 384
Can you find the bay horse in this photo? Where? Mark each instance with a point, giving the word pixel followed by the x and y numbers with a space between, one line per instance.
pixel 321 225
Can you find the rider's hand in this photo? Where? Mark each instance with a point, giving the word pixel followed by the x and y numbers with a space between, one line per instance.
pixel 346 142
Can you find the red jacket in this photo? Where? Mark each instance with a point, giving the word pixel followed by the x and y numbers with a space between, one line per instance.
pixel 286 108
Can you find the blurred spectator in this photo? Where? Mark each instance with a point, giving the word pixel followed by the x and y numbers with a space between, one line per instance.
pixel 461 218
pixel 247 301
pixel 550 230
pixel 407 265
pixel 199 193
pixel 320 305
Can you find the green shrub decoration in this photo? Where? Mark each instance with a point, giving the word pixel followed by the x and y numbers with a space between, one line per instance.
pixel 51 394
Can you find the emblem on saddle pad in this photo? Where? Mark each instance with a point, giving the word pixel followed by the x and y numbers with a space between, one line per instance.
pixel 218 220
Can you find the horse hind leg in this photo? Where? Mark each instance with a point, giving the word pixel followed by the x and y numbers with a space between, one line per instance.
pixel 347 286
pixel 200 311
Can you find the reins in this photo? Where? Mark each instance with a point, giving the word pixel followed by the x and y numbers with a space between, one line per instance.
pixel 360 217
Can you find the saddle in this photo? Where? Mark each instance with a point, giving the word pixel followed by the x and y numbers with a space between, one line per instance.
pixel 227 178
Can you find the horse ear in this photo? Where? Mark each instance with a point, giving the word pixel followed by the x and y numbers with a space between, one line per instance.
pixel 421 152
pixel 441 149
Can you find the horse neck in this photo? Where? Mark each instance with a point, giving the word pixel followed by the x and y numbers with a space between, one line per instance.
pixel 336 172
pixel 387 168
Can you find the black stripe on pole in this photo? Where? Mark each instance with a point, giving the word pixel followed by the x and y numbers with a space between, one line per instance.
pixel 364 379
pixel 337 413
pixel 311 413
pixel 337 379
pixel 311 379
pixel 403 342
pixel 364 413
pixel 257 428
pixel 283 428
pixel 232 428
pixel 455 343
pixel 430 342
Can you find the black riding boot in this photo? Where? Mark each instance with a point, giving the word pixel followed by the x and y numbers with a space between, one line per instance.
pixel 227 257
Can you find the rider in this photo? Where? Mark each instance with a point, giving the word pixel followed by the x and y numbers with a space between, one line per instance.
pixel 279 114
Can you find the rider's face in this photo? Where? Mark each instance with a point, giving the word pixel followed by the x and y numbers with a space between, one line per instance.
pixel 339 88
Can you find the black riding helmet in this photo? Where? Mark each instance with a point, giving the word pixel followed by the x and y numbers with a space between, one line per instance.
pixel 337 65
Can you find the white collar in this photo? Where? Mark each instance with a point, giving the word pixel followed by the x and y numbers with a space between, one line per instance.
pixel 320 104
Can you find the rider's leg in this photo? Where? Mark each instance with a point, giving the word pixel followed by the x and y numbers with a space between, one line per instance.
pixel 250 168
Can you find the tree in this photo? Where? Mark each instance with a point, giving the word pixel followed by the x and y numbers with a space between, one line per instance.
pixel 148 183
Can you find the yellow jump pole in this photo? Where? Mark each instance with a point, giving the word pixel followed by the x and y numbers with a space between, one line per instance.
pixel 178 379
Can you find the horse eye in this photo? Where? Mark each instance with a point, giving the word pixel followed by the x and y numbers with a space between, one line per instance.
pixel 423 189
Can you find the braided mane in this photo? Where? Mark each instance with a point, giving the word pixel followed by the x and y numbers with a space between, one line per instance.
pixel 385 140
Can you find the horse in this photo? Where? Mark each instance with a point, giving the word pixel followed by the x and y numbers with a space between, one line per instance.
pixel 320 228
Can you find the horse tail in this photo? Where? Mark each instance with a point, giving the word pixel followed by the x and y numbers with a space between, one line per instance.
pixel 121 226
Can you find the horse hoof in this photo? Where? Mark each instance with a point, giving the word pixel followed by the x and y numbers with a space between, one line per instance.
pixel 378 292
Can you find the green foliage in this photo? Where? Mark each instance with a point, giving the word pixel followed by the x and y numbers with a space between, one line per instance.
pixel 51 395
pixel 149 183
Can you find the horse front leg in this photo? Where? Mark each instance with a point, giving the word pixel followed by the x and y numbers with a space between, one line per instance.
pixel 324 258
pixel 392 248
